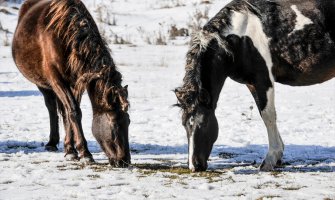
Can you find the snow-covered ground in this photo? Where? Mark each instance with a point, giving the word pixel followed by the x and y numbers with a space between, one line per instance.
pixel 306 119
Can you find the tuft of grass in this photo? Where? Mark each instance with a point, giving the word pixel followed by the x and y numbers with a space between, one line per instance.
pixel 268 184
pixel 268 197
pixel 39 162
pixel 96 167
pixel 206 2
pixel 293 188
pixel 240 195
pixel 178 173
pixel 276 174
pixel 120 40
pixel 5 11
pixel 175 32
pixel 198 19
pixel 171 4
pixel 94 176
pixel 174 179
pixel 7 182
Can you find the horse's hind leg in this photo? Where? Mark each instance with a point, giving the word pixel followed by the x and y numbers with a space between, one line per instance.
pixel 50 102
pixel 264 97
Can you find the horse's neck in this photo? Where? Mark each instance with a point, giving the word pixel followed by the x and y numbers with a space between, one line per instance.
pixel 95 90
pixel 213 77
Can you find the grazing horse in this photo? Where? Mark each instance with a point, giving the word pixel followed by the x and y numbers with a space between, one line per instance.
pixel 256 43
pixel 58 47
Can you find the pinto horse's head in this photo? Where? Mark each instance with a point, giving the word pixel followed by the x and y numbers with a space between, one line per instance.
pixel 198 95
pixel 201 127
pixel 110 126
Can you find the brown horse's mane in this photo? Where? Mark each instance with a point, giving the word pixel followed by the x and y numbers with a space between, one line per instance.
pixel 88 56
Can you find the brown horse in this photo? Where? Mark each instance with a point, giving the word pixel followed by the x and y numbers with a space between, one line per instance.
pixel 58 47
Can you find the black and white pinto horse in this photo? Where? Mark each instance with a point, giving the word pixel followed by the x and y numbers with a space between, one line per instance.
pixel 256 43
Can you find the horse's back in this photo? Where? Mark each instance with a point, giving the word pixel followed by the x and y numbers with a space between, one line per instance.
pixel 302 37
pixel 27 45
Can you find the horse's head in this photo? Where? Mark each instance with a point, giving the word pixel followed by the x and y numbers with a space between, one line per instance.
pixel 201 126
pixel 199 94
pixel 110 126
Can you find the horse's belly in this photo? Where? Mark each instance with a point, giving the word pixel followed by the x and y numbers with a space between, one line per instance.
pixel 317 73
pixel 33 74
pixel 28 60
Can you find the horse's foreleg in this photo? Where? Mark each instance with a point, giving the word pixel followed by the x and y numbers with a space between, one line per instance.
pixel 72 111
pixel 50 102
pixel 69 144
pixel 264 98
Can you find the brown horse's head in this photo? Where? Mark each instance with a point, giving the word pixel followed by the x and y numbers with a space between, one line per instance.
pixel 111 121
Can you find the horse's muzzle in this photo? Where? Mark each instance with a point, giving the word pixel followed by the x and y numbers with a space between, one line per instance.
pixel 199 167
pixel 123 163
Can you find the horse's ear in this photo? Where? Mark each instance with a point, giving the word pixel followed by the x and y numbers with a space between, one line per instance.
pixel 180 93
pixel 126 89
pixel 204 97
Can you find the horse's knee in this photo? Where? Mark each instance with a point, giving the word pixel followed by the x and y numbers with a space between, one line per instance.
pixel 75 115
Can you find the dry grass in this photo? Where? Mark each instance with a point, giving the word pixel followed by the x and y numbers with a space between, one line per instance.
pixel 121 40
pixel 177 32
pixel 171 4
pixel 179 173
pixel 5 11
pixel 198 19
pixel 268 197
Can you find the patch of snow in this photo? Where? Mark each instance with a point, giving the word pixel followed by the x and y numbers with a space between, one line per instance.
pixel 306 120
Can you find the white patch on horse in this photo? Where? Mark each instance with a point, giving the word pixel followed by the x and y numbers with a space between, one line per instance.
pixel 191 152
pixel 248 24
pixel 301 20
pixel 191 120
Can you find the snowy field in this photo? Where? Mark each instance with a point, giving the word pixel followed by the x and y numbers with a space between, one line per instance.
pixel 306 120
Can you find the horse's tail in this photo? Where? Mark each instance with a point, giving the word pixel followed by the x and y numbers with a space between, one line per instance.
pixel 192 91
pixel 72 23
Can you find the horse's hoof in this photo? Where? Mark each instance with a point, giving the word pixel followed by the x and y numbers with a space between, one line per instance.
pixel 87 160
pixel 266 167
pixel 279 163
pixel 51 148
pixel 71 157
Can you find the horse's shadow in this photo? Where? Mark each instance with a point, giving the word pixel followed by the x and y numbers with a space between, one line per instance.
pixel 242 160
pixel 24 93
pixel 297 158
